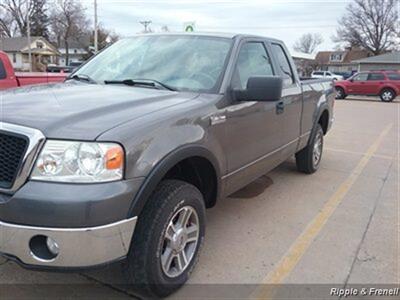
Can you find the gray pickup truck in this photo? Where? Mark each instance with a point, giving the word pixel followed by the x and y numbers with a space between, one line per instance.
pixel 120 161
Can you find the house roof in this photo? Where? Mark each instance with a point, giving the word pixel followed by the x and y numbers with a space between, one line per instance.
pixel 19 44
pixel 323 57
pixel 391 58
pixel 15 44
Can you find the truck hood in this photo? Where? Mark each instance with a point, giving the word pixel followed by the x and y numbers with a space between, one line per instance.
pixel 82 111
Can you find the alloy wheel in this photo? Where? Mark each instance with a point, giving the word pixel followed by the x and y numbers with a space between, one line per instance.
pixel 180 241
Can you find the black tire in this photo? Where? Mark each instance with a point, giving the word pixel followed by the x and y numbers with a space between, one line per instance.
pixel 340 94
pixel 387 95
pixel 305 158
pixel 144 269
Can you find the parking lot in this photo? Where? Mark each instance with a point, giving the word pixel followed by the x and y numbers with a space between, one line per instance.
pixel 338 226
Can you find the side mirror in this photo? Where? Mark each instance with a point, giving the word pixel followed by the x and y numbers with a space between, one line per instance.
pixel 261 88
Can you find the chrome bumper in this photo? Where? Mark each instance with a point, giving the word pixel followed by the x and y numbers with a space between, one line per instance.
pixel 78 247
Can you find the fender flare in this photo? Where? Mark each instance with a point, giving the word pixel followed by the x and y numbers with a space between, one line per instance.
pixel 163 166
pixel 321 110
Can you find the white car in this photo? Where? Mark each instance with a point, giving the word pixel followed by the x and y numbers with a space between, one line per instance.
pixel 326 74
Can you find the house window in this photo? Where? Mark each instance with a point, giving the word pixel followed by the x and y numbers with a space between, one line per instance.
pixel 40 45
pixel 338 57
pixel 14 57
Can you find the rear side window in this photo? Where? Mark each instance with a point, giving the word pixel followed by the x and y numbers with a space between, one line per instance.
pixel 253 60
pixel 318 73
pixel 3 74
pixel 284 64
pixel 393 76
pixel 376 76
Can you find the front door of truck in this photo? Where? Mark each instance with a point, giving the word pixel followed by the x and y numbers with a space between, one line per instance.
pixel 253 128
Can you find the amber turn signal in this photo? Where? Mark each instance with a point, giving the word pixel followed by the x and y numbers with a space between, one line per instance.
pixel 114 158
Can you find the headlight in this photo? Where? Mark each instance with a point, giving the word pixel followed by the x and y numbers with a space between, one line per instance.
pixel 82 162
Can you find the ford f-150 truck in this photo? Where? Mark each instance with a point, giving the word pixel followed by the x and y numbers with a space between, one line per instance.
pixel 385 84
pixel 121 160
pixel 10 79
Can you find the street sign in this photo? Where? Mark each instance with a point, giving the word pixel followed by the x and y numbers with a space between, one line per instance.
pixel 189 27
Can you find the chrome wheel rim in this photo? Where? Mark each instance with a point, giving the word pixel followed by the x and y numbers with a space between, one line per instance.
pixel 387 96
pixel 180 241
pixel 338 93
pixel 317 150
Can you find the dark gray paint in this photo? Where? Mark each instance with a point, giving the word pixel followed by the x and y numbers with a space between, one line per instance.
pixel 152 124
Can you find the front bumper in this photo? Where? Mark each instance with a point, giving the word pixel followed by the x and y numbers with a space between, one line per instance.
pixel 78 247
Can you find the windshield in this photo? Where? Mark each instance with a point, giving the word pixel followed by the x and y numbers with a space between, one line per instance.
pixel 186 63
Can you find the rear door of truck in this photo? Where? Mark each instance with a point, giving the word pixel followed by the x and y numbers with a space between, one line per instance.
pixel 290 106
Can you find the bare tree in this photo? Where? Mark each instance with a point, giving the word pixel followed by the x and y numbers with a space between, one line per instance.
pixel 370 24
pixel 68 21
pixel 14 17
pixel 308 42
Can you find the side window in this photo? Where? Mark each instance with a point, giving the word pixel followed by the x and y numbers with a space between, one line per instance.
pixel 284 64
pixel 393 76
pixel 3 74
pixel 253 60
pixel 375 76
pixel 361 77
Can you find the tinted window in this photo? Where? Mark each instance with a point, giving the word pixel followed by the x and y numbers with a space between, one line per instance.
pixel 3 74
pixel 376 76
pixel 253 60
pixel 318 73
pixel 283 64
pixel 361 77
pixel 393 76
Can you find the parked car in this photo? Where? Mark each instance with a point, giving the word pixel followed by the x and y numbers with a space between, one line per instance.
pixel 59 69
pixel 346 75
pixel 121 161
pixel 10 79
pixel 326 74
pixel 385 84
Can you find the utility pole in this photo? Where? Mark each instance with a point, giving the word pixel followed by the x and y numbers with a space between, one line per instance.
pixel 96 41
pixel 146 25
pixel 28 31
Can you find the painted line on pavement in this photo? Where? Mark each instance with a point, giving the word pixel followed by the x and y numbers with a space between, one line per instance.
pixel 289 261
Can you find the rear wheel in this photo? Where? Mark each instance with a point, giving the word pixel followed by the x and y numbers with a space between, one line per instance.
pixel 340 94
pixel 387 95
pixel 168 238
pixel 308 159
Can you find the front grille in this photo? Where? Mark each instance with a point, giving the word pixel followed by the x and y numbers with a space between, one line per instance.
pixel 12 151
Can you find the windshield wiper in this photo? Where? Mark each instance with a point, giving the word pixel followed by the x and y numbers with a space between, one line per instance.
pixel 82 77
pixel 145 82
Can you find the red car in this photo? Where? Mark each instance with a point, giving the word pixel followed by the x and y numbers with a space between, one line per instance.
pixel 385 84
pixel 10 79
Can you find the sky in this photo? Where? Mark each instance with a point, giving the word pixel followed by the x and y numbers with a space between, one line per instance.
pixel 286 20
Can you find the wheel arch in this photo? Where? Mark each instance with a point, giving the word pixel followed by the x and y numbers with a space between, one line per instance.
pixel 169 162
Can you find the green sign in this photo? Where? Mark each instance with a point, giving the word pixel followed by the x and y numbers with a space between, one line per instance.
pixel 189 28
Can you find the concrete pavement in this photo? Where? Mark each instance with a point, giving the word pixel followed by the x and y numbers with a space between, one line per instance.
pixel 338 226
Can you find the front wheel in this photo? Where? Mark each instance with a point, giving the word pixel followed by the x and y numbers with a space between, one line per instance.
pixel 308 159
pixel 340 94
pixel 387 95
pixel 168 238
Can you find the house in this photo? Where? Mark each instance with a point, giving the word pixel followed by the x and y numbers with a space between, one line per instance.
pixel 304 62
pixel 387 61
pixel 77 51
pixel 340 61
pixel 17 49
